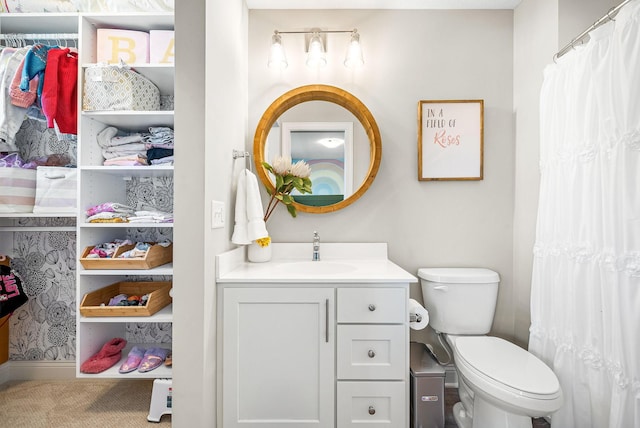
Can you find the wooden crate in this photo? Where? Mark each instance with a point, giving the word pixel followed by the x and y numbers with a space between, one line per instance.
pixel 156 255
pixel 158 298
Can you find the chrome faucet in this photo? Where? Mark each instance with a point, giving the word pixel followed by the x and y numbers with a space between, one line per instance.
pixel 316 246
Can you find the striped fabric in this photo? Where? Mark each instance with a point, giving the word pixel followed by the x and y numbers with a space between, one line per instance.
pixel 17 190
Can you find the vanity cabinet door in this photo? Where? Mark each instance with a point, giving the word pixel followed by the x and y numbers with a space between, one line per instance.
pixel 278 357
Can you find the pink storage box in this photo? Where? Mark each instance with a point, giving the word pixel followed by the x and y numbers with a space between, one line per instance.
pixel 161 46
pixel 129 46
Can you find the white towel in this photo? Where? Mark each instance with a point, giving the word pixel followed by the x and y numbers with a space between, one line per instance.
pixel 249 224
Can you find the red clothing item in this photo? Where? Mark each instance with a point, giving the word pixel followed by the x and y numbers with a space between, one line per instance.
pixel 60 91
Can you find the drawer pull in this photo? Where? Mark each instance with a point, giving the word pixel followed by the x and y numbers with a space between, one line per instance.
pixel 371 353
pixel 372 410
pixel 372 307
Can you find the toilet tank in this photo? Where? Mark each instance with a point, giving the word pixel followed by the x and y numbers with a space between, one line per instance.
pixel 460 300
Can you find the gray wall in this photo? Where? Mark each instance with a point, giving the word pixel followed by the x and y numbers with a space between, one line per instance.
pixel 409 56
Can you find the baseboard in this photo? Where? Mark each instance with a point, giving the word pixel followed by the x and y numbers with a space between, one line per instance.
pixel 37 370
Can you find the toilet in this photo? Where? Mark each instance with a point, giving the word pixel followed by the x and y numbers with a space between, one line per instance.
pixel 500 384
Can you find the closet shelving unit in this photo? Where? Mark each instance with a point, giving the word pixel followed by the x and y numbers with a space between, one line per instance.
pixel 98 183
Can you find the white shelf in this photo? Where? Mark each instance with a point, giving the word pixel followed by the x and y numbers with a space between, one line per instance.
pixel 37 229
pixel 166 269
pixel 139 21
pixel 124 225
pixel 162 372
pixel 37 215
pixel 132 120
pixel 163 315
pixel 131 171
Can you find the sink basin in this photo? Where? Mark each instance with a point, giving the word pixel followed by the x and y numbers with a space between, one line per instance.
pixel 320 267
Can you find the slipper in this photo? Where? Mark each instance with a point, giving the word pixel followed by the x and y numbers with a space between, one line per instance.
pixel 107 357
pixel 153 358
pixel 133 360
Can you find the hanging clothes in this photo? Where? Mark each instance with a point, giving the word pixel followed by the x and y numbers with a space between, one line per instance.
pixel 11 116
pixel 59 97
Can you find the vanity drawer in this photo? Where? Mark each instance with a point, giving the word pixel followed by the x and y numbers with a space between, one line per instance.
pixel 371 352
pixel 371 404
pixel 372 305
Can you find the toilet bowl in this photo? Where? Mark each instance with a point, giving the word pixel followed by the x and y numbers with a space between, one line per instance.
pixel 508 385
pixel 500 384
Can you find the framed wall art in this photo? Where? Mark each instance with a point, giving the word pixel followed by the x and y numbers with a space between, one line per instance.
pixel 450 140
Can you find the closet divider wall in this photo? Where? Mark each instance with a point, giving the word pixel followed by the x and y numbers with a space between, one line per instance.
pixel 148 187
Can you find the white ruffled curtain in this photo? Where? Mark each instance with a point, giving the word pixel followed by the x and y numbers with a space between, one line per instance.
pixel 585 302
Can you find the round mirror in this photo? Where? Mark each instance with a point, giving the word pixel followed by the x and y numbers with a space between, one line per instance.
pixel 331 130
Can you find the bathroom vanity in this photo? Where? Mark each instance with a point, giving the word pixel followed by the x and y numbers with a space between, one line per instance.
pixel 313 343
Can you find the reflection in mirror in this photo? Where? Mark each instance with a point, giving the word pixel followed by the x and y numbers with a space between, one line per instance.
pixel 293 126
pixel 327 147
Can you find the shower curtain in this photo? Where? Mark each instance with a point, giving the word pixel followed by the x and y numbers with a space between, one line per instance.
pixel 585 297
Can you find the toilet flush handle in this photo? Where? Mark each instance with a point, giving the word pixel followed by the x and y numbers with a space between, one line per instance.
pixel 441 287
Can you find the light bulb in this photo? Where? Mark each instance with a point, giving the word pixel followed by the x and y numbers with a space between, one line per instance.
pixel 277 57
pixel 316 55
pixel 354 57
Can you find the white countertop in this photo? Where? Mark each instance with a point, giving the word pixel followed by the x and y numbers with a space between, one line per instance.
pixel 291 263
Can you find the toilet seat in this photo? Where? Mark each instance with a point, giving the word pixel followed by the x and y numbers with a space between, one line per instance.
pixel 506 373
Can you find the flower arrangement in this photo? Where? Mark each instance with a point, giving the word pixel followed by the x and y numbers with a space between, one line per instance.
pixel 288 176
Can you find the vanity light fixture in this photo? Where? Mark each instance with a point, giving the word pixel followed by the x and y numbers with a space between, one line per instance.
pixel 316 48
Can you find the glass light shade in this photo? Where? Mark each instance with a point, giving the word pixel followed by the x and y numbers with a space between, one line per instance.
pixel 277 57
pixel 354 57
pixel 316 55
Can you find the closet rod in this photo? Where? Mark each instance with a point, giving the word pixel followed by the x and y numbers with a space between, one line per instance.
pixel 608 17
pixel 39 36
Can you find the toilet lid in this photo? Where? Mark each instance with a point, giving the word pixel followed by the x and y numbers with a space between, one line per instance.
pixel 507 363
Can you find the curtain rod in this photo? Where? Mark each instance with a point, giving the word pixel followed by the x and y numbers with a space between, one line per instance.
pixel 606 18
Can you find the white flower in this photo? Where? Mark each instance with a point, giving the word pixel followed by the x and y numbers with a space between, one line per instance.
pixel 301 169
pixel 281 165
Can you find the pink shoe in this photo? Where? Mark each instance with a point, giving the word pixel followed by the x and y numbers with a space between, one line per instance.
pixel 133 360
pixel 107 357
pixel 153 358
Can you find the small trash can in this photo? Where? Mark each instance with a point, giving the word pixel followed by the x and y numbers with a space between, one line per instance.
pixel 427 389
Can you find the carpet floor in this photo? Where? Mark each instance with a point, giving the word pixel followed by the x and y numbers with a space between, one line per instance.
pixel 77 403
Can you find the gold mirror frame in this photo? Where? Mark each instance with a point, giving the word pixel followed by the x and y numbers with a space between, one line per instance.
pixel 319 93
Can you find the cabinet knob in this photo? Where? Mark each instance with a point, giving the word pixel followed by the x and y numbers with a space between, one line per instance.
pixel 372 307
pixel 371 353
pixel 372 410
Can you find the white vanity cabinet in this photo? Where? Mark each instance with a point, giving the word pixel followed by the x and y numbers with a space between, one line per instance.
pixel 278 357
pixel 316 348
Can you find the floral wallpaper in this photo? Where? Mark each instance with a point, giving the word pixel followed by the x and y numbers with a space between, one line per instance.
pixel 45 327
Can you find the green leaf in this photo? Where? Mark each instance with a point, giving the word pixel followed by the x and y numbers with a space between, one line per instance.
pixel 292 210
pixel 278 182
pixel 267 167
pixel 279 196
pixel 287 199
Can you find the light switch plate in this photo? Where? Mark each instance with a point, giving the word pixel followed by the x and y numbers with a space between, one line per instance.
pixel 217 214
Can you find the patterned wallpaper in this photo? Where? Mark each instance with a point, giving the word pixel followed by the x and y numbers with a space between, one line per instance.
pixel 45 327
